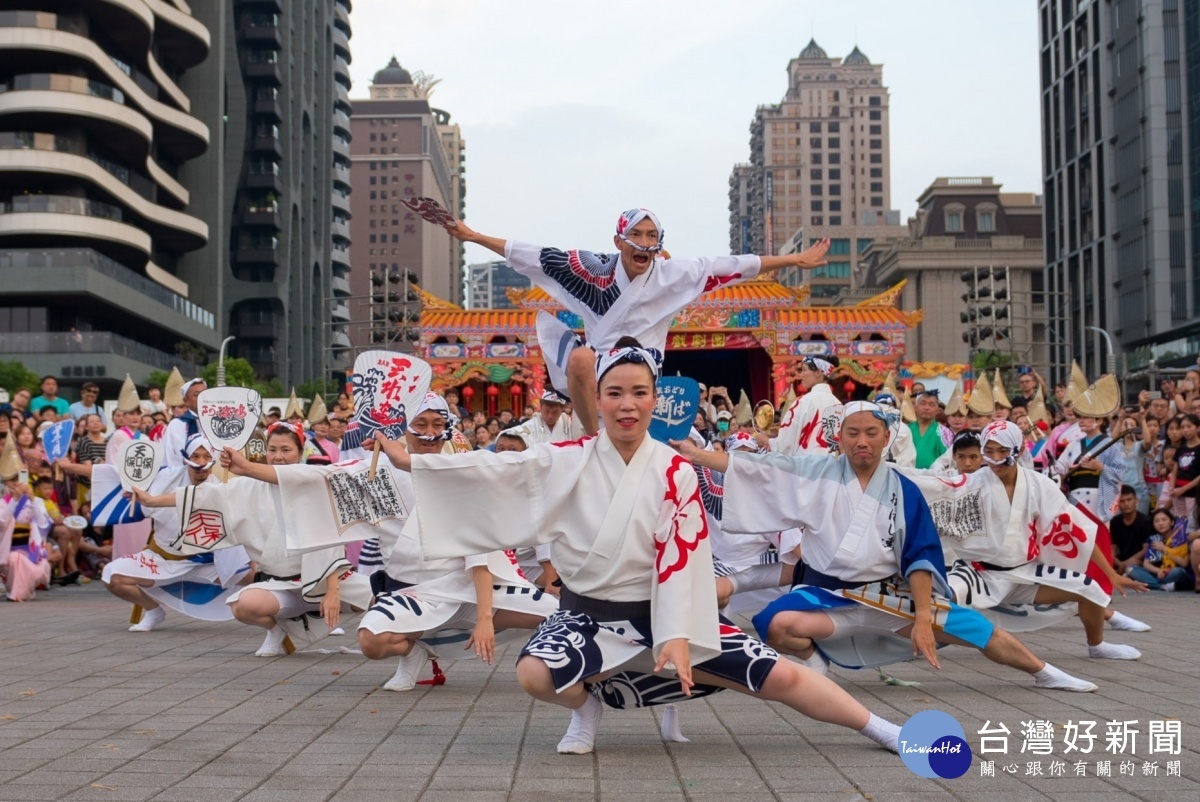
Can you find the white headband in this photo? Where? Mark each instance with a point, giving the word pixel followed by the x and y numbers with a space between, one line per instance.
pixel 1004 433
pixel 651 357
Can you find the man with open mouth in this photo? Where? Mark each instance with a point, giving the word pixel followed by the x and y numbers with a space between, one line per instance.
pixel 637 300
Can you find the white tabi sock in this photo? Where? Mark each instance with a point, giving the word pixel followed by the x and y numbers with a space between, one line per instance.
pixel 669 726
pixel 1121 621
pixel 272 645
pixel 581 735
pixel 407 671
pixel 882 732
pixel 150 620
pixel 1113 651
pixel 1059 680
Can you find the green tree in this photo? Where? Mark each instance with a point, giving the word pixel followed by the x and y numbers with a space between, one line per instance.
pixel 158 377
pixel 14 375
pixel 238 373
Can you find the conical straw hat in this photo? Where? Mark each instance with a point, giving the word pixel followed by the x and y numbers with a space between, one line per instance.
pixel 889 386
pixel 10 459
pixel 982 402
pixel 907 410
pixel 317 411
pixel 173 392
pixel 1037 408
pixel 294 410
pixel 998 394
pixel 789 398
pixel 956 405
pixel 743 413
pixel 1100 399
pixel 1077 383
pixel 128 400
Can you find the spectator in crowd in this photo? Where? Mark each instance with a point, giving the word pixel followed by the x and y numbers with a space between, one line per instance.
pixel 66 539
pixel 5 426
pixel 337 428
pixel 506 418
pixel 31 450
pixel 344 405
pixel 1130 530
pixel 917 389
pixel 154 401
pixel 528 413
pixel 706 406
pixel 1158 408
pixel 455 403
pixel 469 434
pixel 273 415
pixel 1029 381
pixel 479 419
pixel 1185 477
pixel 724 424
pixel 21 400
pixel 88 404
pixel 493 427
pixel 89 450
pixel 1165 563
pixel 1152 470
pixel 49 398
pixel 483 438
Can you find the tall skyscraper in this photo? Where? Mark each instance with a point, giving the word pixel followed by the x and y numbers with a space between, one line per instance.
pixel 488 284
pixel 1121 170
pixel 402 148
pixel 96 128
pixel 276 184
pixel 818 164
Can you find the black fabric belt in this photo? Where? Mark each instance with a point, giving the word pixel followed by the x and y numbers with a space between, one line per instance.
pixel 602 609
pixel 381 583
pixel 992 567
pixel 811 576
pixel 265 577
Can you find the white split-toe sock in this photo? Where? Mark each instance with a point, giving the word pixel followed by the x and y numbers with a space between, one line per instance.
pixel 150 620
pixel 272 645
pixel 408 670
pixel 1113 651
pixel 1059 680
pixel 669 726
pixel 581 735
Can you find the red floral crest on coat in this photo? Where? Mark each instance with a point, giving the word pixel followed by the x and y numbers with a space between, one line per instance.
pixel 688 524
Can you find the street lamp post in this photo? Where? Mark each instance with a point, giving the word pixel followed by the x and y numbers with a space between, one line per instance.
pixel 1111 362
pixel 221 361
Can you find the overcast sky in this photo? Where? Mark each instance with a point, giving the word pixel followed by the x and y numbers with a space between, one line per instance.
pixel 574 111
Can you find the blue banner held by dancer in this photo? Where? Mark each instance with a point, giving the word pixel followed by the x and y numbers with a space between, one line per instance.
pixel 678 400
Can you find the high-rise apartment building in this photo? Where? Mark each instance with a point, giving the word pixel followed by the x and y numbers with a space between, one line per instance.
pixel 276 184
pixel 96 129
pixel 1120 99
pixel 818 163
pixel 488 284
pixel 402 148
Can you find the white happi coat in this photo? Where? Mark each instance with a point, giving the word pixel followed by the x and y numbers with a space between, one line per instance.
pixel 902 450
pixel 809 425
pixel 597 288
pixel 974 515
pixel 249 513
pixel 851 534
pixel 623 533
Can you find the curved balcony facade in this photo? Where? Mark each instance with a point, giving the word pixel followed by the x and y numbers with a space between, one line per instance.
pixel 94 131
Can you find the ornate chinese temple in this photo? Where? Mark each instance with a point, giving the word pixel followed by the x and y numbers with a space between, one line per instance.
pixel 750 336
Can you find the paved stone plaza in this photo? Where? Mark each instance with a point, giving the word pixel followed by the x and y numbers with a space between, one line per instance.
pixel 89 711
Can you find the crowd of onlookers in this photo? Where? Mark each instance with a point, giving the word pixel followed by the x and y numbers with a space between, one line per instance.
pixel 1152 533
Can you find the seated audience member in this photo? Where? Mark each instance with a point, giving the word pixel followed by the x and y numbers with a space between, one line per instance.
pixel 1164 565
pixel 1130 530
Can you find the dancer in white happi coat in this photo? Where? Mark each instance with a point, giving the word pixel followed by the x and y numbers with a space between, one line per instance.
pixel 634 291
pixel 161 575
pixel 1022 548
pixel 872 589
pixel 291 590
pixel 807 425
pixel 182 426
pixel 630 540
pixel 752 570
pixel 420 605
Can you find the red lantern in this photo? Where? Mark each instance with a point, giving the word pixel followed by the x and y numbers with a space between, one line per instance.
pixel 515 388
pixel 849 387
pixel 468 392
pixel 493 391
